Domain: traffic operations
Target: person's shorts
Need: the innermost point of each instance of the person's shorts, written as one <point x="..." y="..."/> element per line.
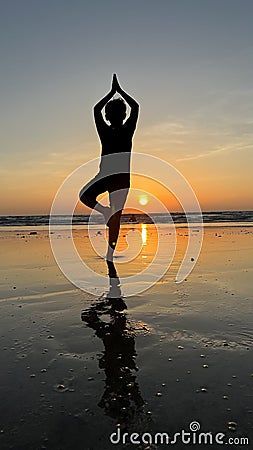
<point x="111" y="183"/>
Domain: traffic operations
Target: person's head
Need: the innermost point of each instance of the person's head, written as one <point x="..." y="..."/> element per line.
<point x="115" y="111"/>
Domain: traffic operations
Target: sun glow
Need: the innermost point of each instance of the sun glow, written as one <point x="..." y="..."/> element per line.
<point x="143" y="200"/>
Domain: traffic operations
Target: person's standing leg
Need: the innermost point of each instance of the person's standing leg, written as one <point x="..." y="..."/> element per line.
<point x="117" y="202"/>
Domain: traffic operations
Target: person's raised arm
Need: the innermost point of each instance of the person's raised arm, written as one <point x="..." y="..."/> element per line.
<point x="131" y="102"/>
<point x="99" y="120"/>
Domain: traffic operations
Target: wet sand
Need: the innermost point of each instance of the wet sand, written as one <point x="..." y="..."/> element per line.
<point x="74" y="368"/>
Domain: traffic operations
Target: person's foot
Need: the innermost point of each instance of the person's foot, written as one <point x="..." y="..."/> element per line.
<point x="117" y="304"/>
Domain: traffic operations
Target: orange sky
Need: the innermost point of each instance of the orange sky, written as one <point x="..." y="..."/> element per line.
<point x="32" y="190"/>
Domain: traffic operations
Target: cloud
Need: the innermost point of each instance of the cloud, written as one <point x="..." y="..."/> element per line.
<point x="166" y="128"/>
<point x="193" y="139"/>
<point x="222" y="149"/>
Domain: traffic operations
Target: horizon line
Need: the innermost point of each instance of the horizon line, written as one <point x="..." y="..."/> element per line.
<point x="137" y="213"/>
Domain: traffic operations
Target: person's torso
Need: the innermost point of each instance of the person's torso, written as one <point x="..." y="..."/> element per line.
<point x="116" y="140"/>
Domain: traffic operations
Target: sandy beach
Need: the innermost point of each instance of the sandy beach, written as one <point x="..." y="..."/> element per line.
<point x="74" y="369"/>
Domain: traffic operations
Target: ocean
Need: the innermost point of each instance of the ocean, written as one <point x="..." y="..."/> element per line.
<point x="209" y="217"/>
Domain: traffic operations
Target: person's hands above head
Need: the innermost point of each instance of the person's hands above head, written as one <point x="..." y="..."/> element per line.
<point x="115" y="83"/>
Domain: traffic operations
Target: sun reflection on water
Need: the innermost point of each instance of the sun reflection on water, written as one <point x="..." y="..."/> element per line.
<point x="144" y="233"/>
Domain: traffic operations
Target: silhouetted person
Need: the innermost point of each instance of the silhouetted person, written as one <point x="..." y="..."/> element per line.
<point x="114" y="173"/>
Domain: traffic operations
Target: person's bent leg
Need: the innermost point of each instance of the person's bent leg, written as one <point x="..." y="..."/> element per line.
<point x="88" y="196"/>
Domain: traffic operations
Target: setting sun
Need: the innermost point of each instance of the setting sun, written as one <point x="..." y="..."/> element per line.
<point x="143" y="200"/>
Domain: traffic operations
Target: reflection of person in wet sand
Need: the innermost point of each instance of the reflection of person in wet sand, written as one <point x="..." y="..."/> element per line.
<point x="116" y="139"/>
<point x="122" y="399"/>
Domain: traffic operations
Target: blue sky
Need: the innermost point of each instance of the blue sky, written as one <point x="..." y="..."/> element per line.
<point x="188" y="63"/>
